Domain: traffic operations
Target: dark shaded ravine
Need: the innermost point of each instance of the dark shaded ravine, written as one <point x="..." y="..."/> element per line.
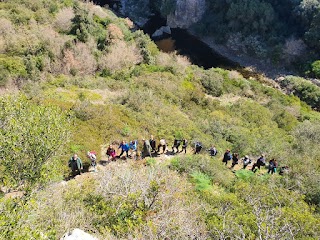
<point x="185" y="44"/>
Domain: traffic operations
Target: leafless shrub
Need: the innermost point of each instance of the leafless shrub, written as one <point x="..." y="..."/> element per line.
<point x="293" y="48"/>
<point x="114" y="33"/>
<point x="6" y="27"/>
<point x="234" y="75"/>
<point x="121" y="55"/>
<point x="180" y="63"/>
<point x="79" y="60"/>
<point x="171" y="216"/>
<point x="63" y="19"/>
<point x="129" y="23"/>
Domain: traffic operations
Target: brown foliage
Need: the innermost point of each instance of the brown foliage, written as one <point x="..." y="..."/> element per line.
<point x="121" y="55"/>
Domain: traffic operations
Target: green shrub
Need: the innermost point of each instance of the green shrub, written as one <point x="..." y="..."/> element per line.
<point x="315" y="67"/>
<point x="30" y="136"/>
<point x="213" y="168"/>
<point x="11" y="68"/>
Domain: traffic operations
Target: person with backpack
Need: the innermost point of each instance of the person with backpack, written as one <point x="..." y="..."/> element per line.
<point x="146" y="148"/>
<point x="111" y="153"/>
<point x="133" y="146"/>
<point x="124" y="148"/>
<point x="75" y="164"/>
<point x="176" y="144"/>
<point x="163" y="145"/>
<point x="213" y="151"/>
<point x="261" y="161"/>
<point x="246" y="161"/>
<point x="152" y="143"/>
<point x="227" y="156"/>
<point x="272" y="168"/>
<point x="92" y="155"/>
<point x="198" y="147"/>
<point x="184" y="145"/>
<point x="235" y="160"/>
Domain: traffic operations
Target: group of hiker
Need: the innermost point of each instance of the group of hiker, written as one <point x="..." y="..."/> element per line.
<point x="261" y="161"/>
<point x="150" y="149"/>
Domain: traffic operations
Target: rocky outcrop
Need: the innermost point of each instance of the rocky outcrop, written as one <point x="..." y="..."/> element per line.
<point x="187" y="12"/>
<point x="161" y="31"/>
<point x="77" y="234"/>
<point x="137" y="10"/>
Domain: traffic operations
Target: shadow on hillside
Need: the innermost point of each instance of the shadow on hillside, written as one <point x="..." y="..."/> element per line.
<point x="84" y="170"/>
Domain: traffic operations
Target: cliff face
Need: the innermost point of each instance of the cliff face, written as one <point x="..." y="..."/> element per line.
<point x="187" y="12"/>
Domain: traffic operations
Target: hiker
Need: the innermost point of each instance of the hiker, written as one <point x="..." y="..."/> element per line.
<point x="284" y="170"/>
<point x="146" y="148"/>
<point x="152" y="143"/>
<point x="163" y="145"/>
<point x="272" y="168"/>
<point x="184" y="145"/>
<point x="111" y="153"/>
<point x="227" y="156"/>
<point x="246" y="161"/>
<point x="198" y="147"/>
<point x="176" y="144"/>
<point x="261" y="161"/>
<point x="124" y="148"/>
<point x="235" y="160"/>
<point x="92" y="155"/>
<point x="133" y="145"/>
<point x="75" y="164"/>
<point x="213" y="151"/>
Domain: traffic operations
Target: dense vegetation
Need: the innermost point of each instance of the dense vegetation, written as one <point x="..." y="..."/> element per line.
<point x="287" y="32"/>
<point x="75" y="78"/>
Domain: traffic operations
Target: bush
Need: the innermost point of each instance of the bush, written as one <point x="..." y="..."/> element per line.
<point x="30" y="136"/>
<point x="315" y="68"/>
<point x="199" y="164"/>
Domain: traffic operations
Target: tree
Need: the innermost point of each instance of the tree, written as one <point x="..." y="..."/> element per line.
<point x="30" y="135"/>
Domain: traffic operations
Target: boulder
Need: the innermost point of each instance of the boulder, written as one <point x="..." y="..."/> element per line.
<point x="161" y="31"/>
<point x="77" y="234"/>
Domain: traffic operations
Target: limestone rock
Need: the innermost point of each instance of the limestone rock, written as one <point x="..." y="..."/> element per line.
<point x="161" y="31"/>
<point x="77" y="234"/>
<point x="187" y="12"/>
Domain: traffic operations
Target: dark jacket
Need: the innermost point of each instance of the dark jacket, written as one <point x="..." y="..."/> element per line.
<point x="226" y="157"/>
<point x="75" y="164"/>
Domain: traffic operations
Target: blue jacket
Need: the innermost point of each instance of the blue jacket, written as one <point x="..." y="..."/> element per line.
<point x="124" y="147"/>
<point x="133" y="146"/>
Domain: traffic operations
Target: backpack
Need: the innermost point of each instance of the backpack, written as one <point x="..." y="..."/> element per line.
<point x="93" y="156"/>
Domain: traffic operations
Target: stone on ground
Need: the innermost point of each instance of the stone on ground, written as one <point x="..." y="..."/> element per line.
<point x="77" y="234"/>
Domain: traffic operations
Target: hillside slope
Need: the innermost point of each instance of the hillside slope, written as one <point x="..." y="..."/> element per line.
<point x="75" y="77"/>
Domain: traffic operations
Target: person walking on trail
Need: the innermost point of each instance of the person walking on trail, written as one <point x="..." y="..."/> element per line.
<point x="133" y="145"/>
<point x="92" y="155"/>
<point x="246" y="161"/>
<point x="272" y="168"/>
<point x="124" y="148"/>
<point x="198" y="147"/>
<point x="163" y="145"/>
<point x="146" y="148"/>
<point x="184" y="145"/>
<point x="235" y="160"/>
<point x="213" y="151"/>
<point x="111" y="153"/>
<point x="75" y="164"/>
<point x="227" y="156"/>
<point x="261" y="161"/>
<point x="176" y="145"/>
<point x="152" y="143"/>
